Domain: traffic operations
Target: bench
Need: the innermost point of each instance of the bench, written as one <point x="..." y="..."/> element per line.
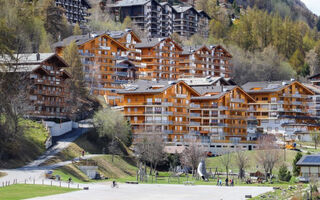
<point x="131" y="182"/>
<point x="188" y="183"/>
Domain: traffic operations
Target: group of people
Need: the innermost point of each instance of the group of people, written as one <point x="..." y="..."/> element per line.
<point x="228" y="182"/>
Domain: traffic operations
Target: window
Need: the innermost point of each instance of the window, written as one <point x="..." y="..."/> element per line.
<point x="129" y="100"/>
<point x="129" y="109"/>
<point x="265" y="98"/>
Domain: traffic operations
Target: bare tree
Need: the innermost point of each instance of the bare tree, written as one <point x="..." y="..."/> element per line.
<point x="268" y="154"/>
<point x="192" y="155"/>
<point x="242" y="161"/>
<point x="225" y="160"/>
<point x="151" y="150"/>
<point x="315" y="135"/>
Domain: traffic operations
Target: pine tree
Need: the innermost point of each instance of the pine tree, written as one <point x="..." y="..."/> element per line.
<point x="77" y="84"/>
<point x="297" y="61"/>
<point x="77" y="30"/>
<point x="296" y="169"/>
<point x="284" y="174"/>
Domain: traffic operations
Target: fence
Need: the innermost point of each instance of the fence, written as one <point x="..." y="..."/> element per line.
<point x="47" y="182"/>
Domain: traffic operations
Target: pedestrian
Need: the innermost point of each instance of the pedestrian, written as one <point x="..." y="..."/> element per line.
<point x="220" y="182"/>
<point x="82" y="153"/>
<point x="227" y="180"/>
<point x="232" y="183"/>
<point x="70" y="179"/>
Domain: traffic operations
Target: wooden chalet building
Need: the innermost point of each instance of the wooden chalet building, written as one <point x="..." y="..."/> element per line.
<point x="47" y="85"/>
<point x="281" y="107"/>
<point x="108" y="63"/>
<point x="205" y="61"/>
<point x="161" y="57"/>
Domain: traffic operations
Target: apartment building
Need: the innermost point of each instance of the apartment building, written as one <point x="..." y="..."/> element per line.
<point x="159" y="107"/>
<point x="281" y="107"/>
<point x="76" y="11"/>
<point x="215" y="116"/>
<point x="47" y="84"/>
<point x="161" y="19"/>
<point x="205" y="61"/>
<point x="314" y="105"/>
<point x="161" y="57"/>
<point x="107" y="62"/>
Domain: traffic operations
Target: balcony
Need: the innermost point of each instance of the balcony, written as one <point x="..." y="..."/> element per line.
<point x="194" y="114"/>
<point x="194" y="123"/>
<point x="166" y="104"/>
<point x="237" y="100"/>
<point x="181" y="96"/>
<point x="125" y="74"/>
<point x="168" y="131"/>
<point x="192" y="105"/>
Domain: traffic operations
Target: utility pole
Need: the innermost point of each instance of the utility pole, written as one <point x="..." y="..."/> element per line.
<point x="284" y="149"/>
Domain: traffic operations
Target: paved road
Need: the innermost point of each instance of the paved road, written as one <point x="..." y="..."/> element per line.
<point x="33" y="171"/>
<point x="160" y="192"/>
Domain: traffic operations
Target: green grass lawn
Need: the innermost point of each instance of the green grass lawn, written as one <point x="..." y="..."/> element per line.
<point x="215" y="162"/>
<point x="22" y="191"/>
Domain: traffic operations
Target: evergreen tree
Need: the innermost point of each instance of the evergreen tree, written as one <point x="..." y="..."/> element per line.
<point x="296" y="169"/>
<point x="284" y="174"/>
<point x="44" y="42"/>
<point x="77" y="84"/>
<point x="77" y="30"/>
<point x="297" y="61"/>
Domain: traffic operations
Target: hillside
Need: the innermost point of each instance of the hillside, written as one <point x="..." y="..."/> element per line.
<point x="295" y="9"/>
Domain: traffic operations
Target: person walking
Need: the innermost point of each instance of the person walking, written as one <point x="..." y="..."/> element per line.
<point x="232" y="183"/>
<point x="227" y="180"/>
<point x="220" y="182"/>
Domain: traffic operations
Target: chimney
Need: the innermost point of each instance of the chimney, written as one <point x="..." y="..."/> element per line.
<point x="38" y="56"/>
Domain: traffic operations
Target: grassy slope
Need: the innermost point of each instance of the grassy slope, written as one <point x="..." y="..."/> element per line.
<point x="215" y="162"/>
<point x="30" y="146"/>
<point x="122" y="167"/>
<point x="17" y="192"/>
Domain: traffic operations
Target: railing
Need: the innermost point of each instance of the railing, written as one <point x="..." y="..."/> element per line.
<point x="194" y="123"/>
<point x="236" y="100"/>
<point x="194" y="114"/>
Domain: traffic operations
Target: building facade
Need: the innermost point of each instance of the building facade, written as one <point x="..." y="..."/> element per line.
<point x="217" y="117"/>
<point x="76" y="11"/>
<point x="281" y="107"/>
<point x="161" y="19"/>
<point x="107" y="62"/>
<point x="205" y="61"/>
<point x="161" y="57"/>
<point x="48" y="89"/>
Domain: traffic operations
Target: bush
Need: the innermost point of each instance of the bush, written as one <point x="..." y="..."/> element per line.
<point x="284" y="174"/>
<point x="296" y="169"/>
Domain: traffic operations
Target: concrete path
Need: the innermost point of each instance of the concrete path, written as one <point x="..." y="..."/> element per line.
<point x="160" y="192"/>
<point x="33" y="171"/>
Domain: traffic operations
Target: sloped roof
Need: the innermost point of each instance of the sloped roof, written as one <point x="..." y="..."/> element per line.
<point x="202" y="90"/>
<point x="149" y="42"/>
<point x="206" y="81"/>
<point x="127" y="3"/>
<point x="182" y="8"/>
<point x="145" y="86"/>
<point x="266" y="86"/>
<point x="314" y="88"/>
<point x="309" y="160"/>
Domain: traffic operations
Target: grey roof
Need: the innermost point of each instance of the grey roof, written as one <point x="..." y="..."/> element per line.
<point x="149" y="42"/>
<point x="265" y="86"/>
<point x="217" y="96"/>
<point x="127" y="3"/>
<point x="191" y="49"/>
<point x="78" y="39"/>
<point x="25" y="62"/>
<point x="314" y="88"/>
<point x="309" y="160"/>
<point x="81" y="39"/>
<point x="26" y="58"/>
<point x="146" y="86"/>
<point x="212" y="89"/>
<point x="206" y="81"/>
<point x="181" y="8"/>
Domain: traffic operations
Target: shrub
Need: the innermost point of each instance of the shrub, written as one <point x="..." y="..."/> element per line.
<point x="284" y="174"/>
